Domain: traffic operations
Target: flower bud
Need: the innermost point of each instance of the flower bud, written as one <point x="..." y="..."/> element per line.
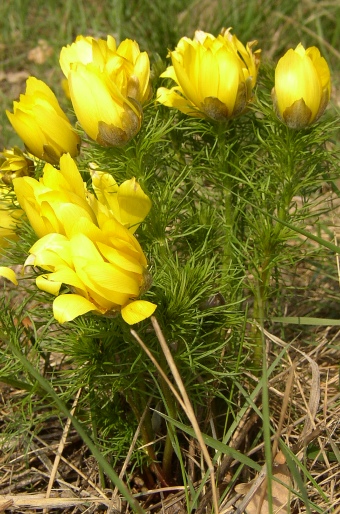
<point x="302" y="87"/>
<point x="14" y="163"/>
<point x="42" y="125"/>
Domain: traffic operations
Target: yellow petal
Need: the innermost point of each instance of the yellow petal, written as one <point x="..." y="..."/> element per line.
<point x="38" y="88"/>
<point x="187" y="73"/>
<point x="82" y="247"/>
<point x="104" y="277"/>
<point x="72" y="177"/>
<point x="45" y="285"/>
<point x="134" y="204"/>
<point x="171" y="98"/>
<point x="92" y="100"/>
<point x="79" y="51"/>
<point x="28" y="130"/>
<point x="68" y="276"/>
<point x="33" y="213"/>
<point x="105" y="187"/>
<point x="137" y="311"/>
<point x="120" y="258"/>
<point x="50" y="260"/>
<point x="9" y="274"/>
<point x="69" y="215"/>
<point x="66" y="307"/>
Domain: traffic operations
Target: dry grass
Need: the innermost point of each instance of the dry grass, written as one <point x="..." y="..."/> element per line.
<point x="306" y="419"/>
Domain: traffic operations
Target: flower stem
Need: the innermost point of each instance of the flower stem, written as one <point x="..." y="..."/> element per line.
<point x="172" y="411"/>
<point x="260" y="300"/>
<point x="147" y="435"/>
<point x="225" y="177"/>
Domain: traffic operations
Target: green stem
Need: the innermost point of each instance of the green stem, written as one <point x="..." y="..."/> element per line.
<point x="147" y="435"/>
<point x="260" y="301"/>
<point x="270" y="251"/>
<point x="172" y="411"/>
<point x="95" y="433"/>
<point x="224" y="177"/>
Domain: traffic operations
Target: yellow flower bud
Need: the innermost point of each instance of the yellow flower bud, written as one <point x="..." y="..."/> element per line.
<point x="13" y="163"/>
<point x="302" y="87"/>
<point x="87" y="244"/>
<point x="214" y="76"/>
<point x="41" y="123"/>
<point x="108" y="86"/>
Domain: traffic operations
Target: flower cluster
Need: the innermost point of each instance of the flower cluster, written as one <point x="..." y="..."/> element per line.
<point x="91" y="259"/>
<point x="87" y="244"/>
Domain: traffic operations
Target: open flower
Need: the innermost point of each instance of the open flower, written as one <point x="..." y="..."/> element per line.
<point x="302" y="87"/>
<point x="85" y="244"/>
<point x="41" y="123"/>
<point x="108" y="86"/>
<point x="214" y="76"/>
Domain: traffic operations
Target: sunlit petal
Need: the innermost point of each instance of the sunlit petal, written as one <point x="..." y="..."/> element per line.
<point x="137" y="311"/>
<point x="66" y="307"/>
<point x="45" y="284"/>
<point x="9" y="274"/>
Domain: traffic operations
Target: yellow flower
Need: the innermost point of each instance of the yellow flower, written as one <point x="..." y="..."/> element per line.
<point x="302" y="87"/>
<point x="128" y="202"/>
<point x="13" y="163"/>
<point x="9" y="218"/>
<point x="108" y="86"/>
<point x="214" y="76"/>
<point x="41" y="123"/>
<point x="86" y="244"/>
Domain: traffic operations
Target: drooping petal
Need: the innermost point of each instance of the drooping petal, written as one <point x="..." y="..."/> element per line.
<point x="171" y="98"/>
<point x="9" y="274"/>
<point x="137" y="311"/>
<point x="46" y="285"/>
<point x="66" y="307"/>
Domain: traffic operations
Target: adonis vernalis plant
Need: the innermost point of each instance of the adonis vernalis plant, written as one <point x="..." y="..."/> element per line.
<point x="180" y="205"/>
